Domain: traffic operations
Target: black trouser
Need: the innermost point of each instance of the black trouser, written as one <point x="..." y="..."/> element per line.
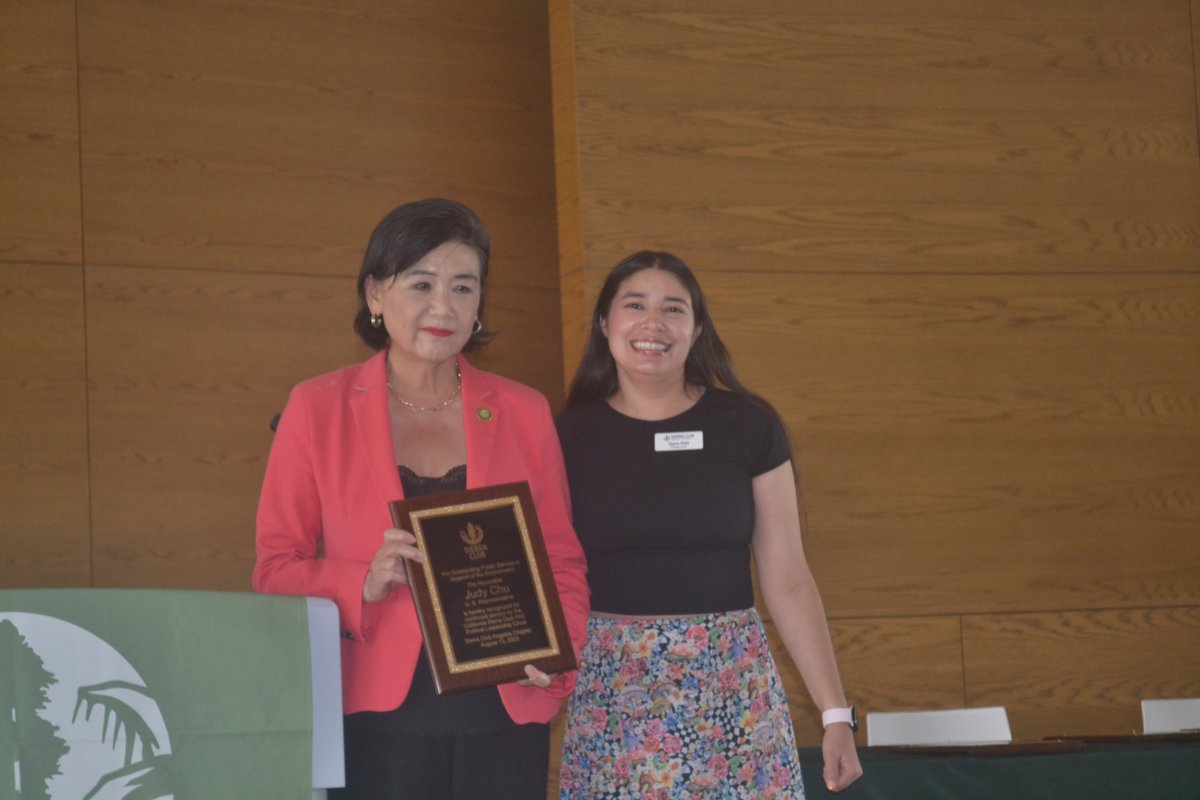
<point x="506" y="765"/>
<point x="460" y="746"/>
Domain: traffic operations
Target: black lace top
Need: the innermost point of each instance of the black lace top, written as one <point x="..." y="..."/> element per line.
<point x="416" y="485"/>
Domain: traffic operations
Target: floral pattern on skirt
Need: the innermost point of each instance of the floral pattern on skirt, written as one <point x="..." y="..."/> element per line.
<point x="679" y="709"/>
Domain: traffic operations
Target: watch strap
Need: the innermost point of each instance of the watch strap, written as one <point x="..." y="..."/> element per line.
<point x="847" y="715"/>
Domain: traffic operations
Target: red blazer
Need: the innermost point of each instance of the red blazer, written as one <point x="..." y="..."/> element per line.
<point x="330" y="476"/>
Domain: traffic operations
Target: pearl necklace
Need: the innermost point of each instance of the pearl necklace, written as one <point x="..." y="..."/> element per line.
<point x="439" y="406"/>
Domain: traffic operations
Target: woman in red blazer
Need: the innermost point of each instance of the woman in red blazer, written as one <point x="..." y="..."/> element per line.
<point x="416" y="419"/>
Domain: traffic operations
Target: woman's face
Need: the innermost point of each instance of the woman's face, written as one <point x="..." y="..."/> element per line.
<point x="430" y="308"/>
<point x="651" y="325"/>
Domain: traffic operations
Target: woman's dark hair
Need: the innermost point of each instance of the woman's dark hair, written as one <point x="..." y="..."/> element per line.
<point x="708" y="363"/>
<point x="404" y="237"/>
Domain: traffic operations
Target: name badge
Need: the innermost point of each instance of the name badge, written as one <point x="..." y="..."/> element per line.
<point x="684" y="440"/>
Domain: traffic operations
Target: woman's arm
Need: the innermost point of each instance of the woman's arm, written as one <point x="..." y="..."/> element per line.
<point x="794" y="604"/>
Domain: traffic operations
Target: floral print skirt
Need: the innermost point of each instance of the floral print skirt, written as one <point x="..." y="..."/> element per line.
<point x="679" y="709"/>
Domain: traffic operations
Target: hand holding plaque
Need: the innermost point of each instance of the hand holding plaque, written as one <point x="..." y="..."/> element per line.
<point x="485" y="595"/>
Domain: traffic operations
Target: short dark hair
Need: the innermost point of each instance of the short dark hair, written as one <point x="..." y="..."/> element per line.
<point x="708" y="362"/>
<point x="405" y="236"/>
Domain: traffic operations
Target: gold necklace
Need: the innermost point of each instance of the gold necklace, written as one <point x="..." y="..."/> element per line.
<point x="439" y="406"/>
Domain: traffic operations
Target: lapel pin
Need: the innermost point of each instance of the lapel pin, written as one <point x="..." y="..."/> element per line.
<point x="484" y="414"/>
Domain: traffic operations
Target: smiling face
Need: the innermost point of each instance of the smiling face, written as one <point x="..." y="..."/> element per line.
<point x="650" y="326"/>
<point x="430" y="308"/>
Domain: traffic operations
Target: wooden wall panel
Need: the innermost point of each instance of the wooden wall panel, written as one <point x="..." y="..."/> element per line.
<point x="43" y="428"/>
<point x="187" y="368"/>
<point x="573" y="308"/>
<point x="226" y="135"/>
<point x="886" y="663"/>
<point x="1047" y="426"/>
<point x="1076" y="673"/>
<point x="558" y="727"/>
<point x="1195" y="15"/>
<point x="39" y="133"/>
<point x="958" y="247"/>
<point x="913" y="137"/>
<point x="901" y="662"/>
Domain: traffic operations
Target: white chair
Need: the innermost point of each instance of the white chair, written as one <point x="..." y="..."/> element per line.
<point x="987" y="725"/>
<point x="1171" y="716"/>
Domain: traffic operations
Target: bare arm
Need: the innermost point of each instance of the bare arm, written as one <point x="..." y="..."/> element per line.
<point x="794" y="603"/>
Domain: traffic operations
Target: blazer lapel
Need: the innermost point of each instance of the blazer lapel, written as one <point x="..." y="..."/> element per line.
<point x="368" y="404"/>
<point x="479" y="423"/>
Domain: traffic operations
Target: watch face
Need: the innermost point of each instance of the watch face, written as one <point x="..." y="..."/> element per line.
<point x="853" y="718"/>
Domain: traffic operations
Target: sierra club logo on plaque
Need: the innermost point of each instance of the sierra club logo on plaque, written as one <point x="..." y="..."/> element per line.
<point x="472" y="536"/>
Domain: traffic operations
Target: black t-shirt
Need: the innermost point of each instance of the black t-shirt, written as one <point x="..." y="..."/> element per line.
<point x="664" y="509"/>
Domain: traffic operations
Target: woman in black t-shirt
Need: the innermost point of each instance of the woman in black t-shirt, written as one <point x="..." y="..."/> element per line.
<point x="678" y="473"/>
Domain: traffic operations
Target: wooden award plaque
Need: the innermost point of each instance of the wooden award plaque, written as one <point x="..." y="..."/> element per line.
<point x="485" y="596"/>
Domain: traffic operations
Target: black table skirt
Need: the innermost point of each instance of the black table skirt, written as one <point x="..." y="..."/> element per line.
<point x="1099" y="771"/>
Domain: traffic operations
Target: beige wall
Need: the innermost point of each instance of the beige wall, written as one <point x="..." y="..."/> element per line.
<point x="958" y="245"/>
<point x="187" y="190"/>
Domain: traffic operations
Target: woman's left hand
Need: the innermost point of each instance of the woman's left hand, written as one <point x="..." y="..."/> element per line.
<point x="536" y="678"/>
<point x="841" y="757"/>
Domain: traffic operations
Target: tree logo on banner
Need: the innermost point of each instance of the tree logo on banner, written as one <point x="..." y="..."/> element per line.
<point x="88" y="726"/>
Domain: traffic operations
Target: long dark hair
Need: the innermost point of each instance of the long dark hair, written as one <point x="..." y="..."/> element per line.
<point x="405" y="236"/>
<point x="708" y="363"/>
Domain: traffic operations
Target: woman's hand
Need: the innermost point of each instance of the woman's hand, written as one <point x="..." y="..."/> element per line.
<point x="536" y="678"/>
<point x="387" y="568"/>
<point x="841" y="758"/>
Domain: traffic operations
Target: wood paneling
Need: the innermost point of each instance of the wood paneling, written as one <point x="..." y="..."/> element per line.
<point x="901" y="662"/>
<point x="577" y="299"/>
<point x="43" y="428"/>
<point x="916" y="137"/>
<point x="957" y="246"/>
<point x="39" y="133"/>
<point x="1047" y="427"/>
<point x="1082" y="672"/>
<point x="907" y="223"/>
<point x="272" y="137"/>
<point x="887" y="54"/>
<point x="1195" y="15"/>
<point x="187" y="368"/>
<point x="567" y="185"/>
<point x="886" y="664"/>
<point x="558" y="727"/>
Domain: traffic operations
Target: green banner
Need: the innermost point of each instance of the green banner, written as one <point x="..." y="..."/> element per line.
<point x="147" y="694"/>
